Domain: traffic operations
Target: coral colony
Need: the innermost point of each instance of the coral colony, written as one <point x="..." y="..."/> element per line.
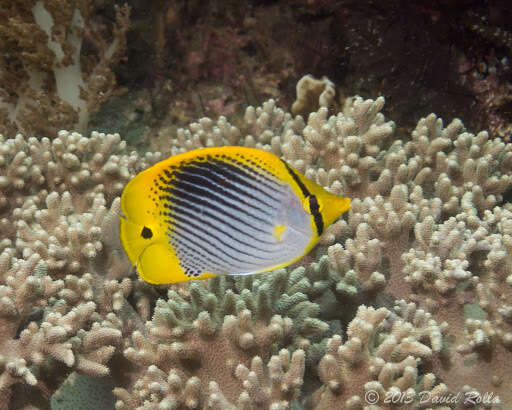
<point x="409" y="296"/>
<point x="405" y="303"/>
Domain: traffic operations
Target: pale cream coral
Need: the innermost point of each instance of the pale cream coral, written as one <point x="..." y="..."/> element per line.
<point x="69" y="334"/>
<point x="273" y="385"/>
<point x="427" y="225"/>
<point x="419" y="209"/>
<point x="214" y="355"/>
<point x="379" y="360"/>
<point x="312" y="93"/>
<point x="59" y="202"/>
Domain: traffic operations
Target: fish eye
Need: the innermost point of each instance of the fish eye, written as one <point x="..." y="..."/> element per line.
<point x="146" y="233"/>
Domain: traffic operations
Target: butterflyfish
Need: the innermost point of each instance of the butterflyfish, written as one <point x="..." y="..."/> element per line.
<point x="223" y="210"/>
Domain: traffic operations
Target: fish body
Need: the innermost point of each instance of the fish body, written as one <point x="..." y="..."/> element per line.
<point x="223" y="210"/>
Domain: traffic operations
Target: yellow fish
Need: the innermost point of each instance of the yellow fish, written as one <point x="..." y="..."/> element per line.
<point x="222" y="210"/>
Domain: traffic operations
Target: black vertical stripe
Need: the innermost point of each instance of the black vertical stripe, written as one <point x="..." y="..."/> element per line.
<point x="313" y="201"/>
<point x="315" y="209"/>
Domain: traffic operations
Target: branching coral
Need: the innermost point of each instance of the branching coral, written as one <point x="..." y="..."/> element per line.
<point x="421" y="209"/>
<point x="222" y="335"/>
<point x="57" y="205"/>
<point x="271" y="386"/>
<point x="425" y="249"/>
<point x="67" y="172"/>
<point x="72" y="334"/>
<point x="381" y="357"/>
<point x="311" y="91"/>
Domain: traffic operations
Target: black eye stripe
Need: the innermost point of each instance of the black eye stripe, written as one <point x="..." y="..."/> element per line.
<point x="146" y="233"/>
